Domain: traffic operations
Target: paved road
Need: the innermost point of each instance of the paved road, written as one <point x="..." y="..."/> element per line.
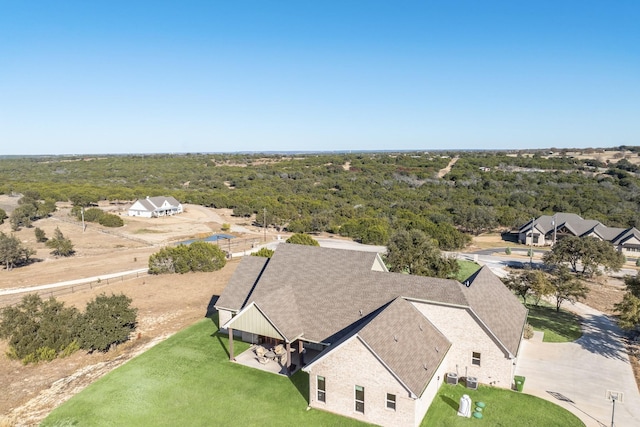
<point x="583" y="371"/>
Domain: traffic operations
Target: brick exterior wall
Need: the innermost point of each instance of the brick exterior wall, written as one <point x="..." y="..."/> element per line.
<point x="467" y="336"/>
<point x="353" y="364"/>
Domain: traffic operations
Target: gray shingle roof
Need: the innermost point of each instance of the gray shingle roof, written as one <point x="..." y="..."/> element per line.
<point x="407" y="343"/>
<point x="241" y="283"/>
<point x="579" y="227"/>
<point x="321" y="293"/>
<point x="497" y="307"/>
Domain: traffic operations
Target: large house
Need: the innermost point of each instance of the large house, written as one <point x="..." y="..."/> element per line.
<point x="155" y="207"/>
<point x="376" y="345"/>
<point x="547" y="229"/>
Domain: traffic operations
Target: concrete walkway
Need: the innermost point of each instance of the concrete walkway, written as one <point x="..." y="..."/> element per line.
<point x="578" y="375"/>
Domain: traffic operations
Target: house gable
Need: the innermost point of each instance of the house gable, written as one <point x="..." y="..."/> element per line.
<point x="251" y="319"/>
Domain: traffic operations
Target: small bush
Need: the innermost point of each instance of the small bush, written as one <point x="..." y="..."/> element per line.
<point x="303" y="239"/>
<point x="507" y="251"/>
<point x="528" y="332"/>
<point x="263" y="252"/>
<point x="226" y="227"/>
<point x="45" y="354"/>
<point x="41" y="237"/>
<point x="198" y="256"/>
<point x="638" y="262"/>
<point x="70" y="349"/>
<point x="111" y="220"/>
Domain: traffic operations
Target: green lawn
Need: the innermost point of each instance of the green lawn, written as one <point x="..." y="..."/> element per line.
<point x="503" y="408"/>
<point x="188" y="380"/>
<point x="467" y="268"/>
<point x="559" y="326"/>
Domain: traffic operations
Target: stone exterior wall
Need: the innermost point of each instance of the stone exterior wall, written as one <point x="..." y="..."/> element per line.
<point x="467" y="336"/>
<point x="353" y="364"/>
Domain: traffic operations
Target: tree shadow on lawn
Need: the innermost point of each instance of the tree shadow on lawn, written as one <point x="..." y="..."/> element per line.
<point x="562" y="323"/>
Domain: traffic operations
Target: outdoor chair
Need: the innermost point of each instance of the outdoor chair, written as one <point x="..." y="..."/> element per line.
<point x="283" y="359"/>
<point x="263" y="360"/>
<point x="279" y="350"/>
<point x="260" y="351"/>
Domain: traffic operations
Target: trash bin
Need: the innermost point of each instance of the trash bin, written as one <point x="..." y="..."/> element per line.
<point x="519" y="382"/>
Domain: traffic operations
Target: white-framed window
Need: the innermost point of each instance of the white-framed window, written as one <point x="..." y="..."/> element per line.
<point x="475" y="358"/>
<point x="321" y="386"/>
<point x="359" y="399"/>
<point x="391" y="401"/>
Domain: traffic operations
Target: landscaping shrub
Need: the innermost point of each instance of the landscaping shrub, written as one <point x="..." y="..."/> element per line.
<point x="111" y="220"/>
<point x="528" y="332"/>
<point x="303" y="239"/>
<point x="264" y="252"/>
<point x="198" y="256"/>
<point x="507" y="251"/>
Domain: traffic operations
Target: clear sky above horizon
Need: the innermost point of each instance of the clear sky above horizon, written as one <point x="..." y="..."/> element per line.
<point x="88" y="77"/>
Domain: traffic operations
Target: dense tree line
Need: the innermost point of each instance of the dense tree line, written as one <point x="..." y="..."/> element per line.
<point x="41" y="330"/>
<point x="367" y="196"/>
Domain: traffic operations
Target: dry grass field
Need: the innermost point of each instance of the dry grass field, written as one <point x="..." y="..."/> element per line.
<point x="165" y="304"/>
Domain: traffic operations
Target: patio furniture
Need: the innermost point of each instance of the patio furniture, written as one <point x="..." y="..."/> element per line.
<point x="263" y="360"/>
<point x="283" y="359"/>
<point x="260" y="351"/>
<point x="270" y="355"/>
<point x="279" y="350"/>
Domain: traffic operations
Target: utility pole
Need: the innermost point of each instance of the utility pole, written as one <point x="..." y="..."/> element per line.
<point x="555" y="228"/>
<point x="82" y="210"/>
<point x="614" y="397"/>
<point x="531" y="245"/>
<point x="264" y="223"/>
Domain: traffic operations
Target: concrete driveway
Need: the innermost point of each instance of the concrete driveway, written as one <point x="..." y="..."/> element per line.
<point x="578" y="375"/>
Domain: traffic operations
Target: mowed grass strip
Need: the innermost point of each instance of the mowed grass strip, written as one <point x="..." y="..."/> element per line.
<point x="503" y="408"/>
<point x="188" y="380"/>
<point x="467" y="268"/>
<point x="557" y="326"/>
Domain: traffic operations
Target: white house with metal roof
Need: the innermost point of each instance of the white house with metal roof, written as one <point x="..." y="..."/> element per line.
<point x="376" y="345"/>
<point x="155" y="207"/>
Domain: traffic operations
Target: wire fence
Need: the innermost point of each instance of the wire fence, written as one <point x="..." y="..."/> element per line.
<point x="13" y="299"/>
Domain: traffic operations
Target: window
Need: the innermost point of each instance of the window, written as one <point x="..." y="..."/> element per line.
<point x="535" y="238"/>
<point x="391" y="401"/>
<point x="360" y="399"/>
<point x="475" y="358"/>
<point x="322" y="392"/>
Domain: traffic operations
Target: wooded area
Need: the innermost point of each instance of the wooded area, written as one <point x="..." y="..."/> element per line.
<point x="367" y="196"/>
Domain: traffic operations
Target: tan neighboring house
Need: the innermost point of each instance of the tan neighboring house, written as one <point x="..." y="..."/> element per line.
<point x="547" y="229"/>
<point x="155" y="207"/>
<point x="379" y="344"/>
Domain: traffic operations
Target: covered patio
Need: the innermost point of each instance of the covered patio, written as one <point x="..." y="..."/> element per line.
<point x="250" y="358"/>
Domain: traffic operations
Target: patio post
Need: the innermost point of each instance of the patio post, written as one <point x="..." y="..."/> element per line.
<point x="231" y="357"/>
<point x="288" y="355"/>
<point x="301" y="352"/>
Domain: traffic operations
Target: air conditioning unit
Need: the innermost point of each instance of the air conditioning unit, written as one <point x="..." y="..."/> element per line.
<point x="472" y="383"/>
<point x="452" y="378"/>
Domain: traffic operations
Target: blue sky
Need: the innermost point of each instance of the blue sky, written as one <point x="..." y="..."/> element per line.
<point x="87" y="77"/>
